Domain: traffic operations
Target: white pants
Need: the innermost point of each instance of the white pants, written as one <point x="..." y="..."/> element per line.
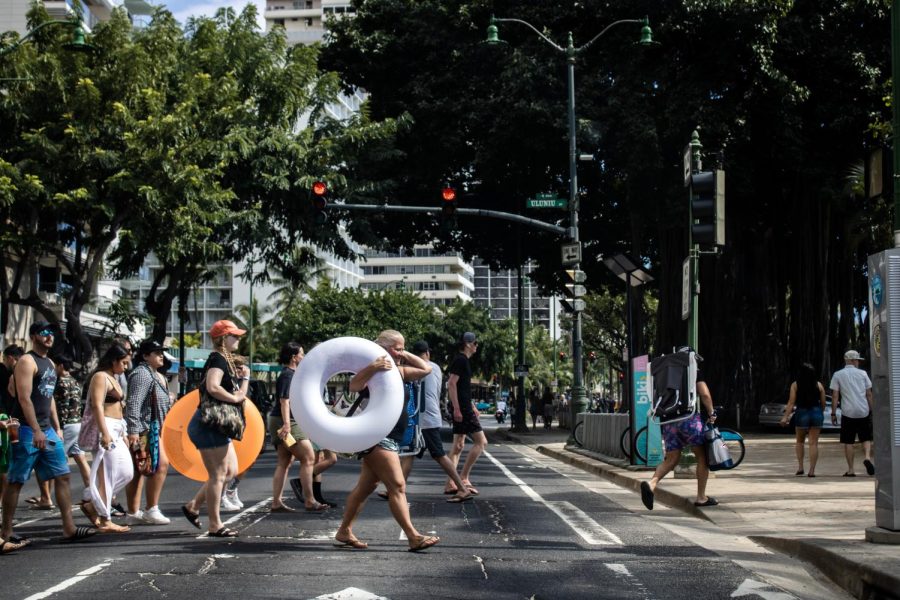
<point x="117" y="467"/>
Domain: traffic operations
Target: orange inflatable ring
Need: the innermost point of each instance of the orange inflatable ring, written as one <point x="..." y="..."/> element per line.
<point x="184" y="456"/>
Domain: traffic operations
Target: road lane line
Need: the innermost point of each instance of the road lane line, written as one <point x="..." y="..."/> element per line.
<point x="587" y="528"/>
<point x="248" y="511"/>
<point x="70" y="581"/>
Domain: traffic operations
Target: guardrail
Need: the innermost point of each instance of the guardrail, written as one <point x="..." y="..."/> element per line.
<point x="603" y="432"/>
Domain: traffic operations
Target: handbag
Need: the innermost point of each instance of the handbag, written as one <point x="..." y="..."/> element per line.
<point x="89" y="434"/>
<point x="717" y="455"/>
<point x="141" y="458"/>
<point x="145" y="453"/>
<point x="224" y="417"/>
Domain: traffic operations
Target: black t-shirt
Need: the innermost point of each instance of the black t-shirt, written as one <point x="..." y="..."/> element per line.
<point x="462" y="368"/>
<point x="6" y="401"/>
<point x="42" y="385"/>
<point x="282" y="390"/>
<point x="217" y="361"/>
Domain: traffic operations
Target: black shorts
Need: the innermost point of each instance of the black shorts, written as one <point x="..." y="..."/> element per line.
<point x="433" y="443"/>
<point x="469" y="424"/>
<point x="852" y="428"/>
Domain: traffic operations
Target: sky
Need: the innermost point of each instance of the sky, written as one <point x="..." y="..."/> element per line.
<point x="183" y="9"/>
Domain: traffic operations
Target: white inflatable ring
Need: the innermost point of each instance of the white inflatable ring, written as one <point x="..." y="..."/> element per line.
<point x="328" y="430"/>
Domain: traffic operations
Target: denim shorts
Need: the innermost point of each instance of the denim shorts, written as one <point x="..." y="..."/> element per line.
<point x="49" y="463"/>
<point x="688" y="432"/>
<point x="387" y="443"/>
<point x="204" y="437"/>
<point x="804" y="418"/>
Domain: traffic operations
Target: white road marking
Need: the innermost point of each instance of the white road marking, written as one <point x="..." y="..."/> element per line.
<point x="750" y="587"/>
<point x="587" y="528"/>
<point x="70" y="581"/>
<point x="249" y="511"/>
<point x="619" y="568"/>
<point x="350" y="593"/>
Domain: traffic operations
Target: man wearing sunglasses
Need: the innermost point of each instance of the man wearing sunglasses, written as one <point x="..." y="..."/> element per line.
<point x="39" y="448"/>
<point x="466" y="419"/>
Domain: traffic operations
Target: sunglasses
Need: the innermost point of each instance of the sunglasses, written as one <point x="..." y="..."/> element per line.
<point x="45" y="333"/>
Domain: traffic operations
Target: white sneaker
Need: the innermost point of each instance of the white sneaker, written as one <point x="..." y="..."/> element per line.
<point x="135" y="518"/>
<point x="154" y="516"/>
<point x="232" y="496"/>
<point x="227" y="506"/>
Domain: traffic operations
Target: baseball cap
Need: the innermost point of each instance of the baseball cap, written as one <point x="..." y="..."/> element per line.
<point x="39" y="326"/>
<point x="225" y="327"/>
<point x="148" y="346"/>
<point x="468" y="337"/>
<point x="852" y="355"/>
<point x="420" y="347"/>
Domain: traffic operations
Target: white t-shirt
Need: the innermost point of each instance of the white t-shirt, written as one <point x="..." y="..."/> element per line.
<point x="852" y="383"/>
<point x="431" y="384"/>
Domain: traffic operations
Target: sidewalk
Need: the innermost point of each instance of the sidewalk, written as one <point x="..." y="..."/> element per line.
<point x="821" y="520"/>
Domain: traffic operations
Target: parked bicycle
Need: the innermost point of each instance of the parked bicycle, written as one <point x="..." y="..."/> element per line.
<point x="734" y="441"/>
<point x="578" y="434"/>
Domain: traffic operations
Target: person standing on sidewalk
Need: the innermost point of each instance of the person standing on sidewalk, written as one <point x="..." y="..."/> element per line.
<point x="465" y="415"/>
<point x="677" y="435"/>
<point x="852" y="393"/>
<point x="809" y="397"/>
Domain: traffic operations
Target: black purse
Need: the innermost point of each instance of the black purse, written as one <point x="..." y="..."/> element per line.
<point x="225" y="417"/>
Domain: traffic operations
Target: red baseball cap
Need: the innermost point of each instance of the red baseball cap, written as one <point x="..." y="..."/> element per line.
<point x="225" y="327"/>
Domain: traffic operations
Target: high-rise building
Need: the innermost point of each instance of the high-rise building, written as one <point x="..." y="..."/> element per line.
<point x="12" y="12"/>
<point x="498" y="291"/>
<point x="438" y="278"/>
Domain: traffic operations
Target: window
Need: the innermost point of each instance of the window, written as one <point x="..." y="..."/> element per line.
<point x="279" y="22"/>
<point x="309" y="22"/>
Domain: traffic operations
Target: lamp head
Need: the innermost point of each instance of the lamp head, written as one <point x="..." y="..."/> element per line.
<point x="78" y="44"/>
<point x="647" y="34"/>
<point x="493" y="34"/>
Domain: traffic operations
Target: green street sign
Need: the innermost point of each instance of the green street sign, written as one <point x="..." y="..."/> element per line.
<point x="547" y="201"/>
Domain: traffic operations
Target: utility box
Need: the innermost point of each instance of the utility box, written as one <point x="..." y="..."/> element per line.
<point x="884" y="353"/>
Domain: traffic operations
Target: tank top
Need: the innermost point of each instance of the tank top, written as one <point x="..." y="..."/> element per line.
<point x="42" y="385"/>
<point x="807" y="398"/>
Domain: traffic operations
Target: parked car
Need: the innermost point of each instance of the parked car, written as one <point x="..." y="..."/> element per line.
<point x="770" y="415"/>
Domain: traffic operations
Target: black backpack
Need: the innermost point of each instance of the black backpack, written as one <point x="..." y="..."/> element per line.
<point x="673" y="381"/>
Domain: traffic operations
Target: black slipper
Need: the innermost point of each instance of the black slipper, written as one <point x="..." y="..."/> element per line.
<point x="870" y="468"/>
<point x="646" y="495"/>
<point x="382" y="495"/>
<point x="224" y="533"/>
<point x="297" y="489"/>
<point x="849" y="474"/>
<point x="81" y="534"/>
<point x="193" y="517"/>
<point x="710" y="501"/>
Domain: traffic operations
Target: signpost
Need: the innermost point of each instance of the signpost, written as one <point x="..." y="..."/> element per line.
<point x="571" y="253"/>
<point x="686" y="289"/>
<point x="521" y="370"/>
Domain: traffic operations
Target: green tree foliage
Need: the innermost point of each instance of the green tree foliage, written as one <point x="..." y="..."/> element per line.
<point x="787" y="96"/>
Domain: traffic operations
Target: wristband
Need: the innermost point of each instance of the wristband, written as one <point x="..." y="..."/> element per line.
<point x="245" y="379"/>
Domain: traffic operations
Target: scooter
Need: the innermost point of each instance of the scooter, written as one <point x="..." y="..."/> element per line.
<point x="500" y="415"/>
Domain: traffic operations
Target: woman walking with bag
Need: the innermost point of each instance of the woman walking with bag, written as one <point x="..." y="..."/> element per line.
<point x="148" y="405"/>
<point x="217" y="421"/>
<point x="111" y="467"/>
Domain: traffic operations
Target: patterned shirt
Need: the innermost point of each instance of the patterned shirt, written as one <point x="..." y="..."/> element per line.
<point x="144" y="387"/>
<point x="68" y="400"/>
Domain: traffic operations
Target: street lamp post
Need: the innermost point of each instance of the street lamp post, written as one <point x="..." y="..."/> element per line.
<point x="77" y="42"/>
<point x="579" y="397"/>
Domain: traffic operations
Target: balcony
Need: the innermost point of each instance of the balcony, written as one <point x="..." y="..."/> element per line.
<point x="293" y="13"/>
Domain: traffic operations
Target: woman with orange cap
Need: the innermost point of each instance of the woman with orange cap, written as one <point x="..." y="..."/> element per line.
<point x="225" y="382"/>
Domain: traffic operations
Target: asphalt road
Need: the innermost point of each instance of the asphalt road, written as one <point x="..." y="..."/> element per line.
<point x="537" y="530"/>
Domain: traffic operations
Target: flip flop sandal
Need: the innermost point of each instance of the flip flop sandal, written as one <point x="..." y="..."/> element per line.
<point x="297" y="489"/>
<point x="283" y="509"/>
<point x="33" y="500"/>
<point x="11" y="546"/>
<point x="799" y="473"/>
<point x="448" y="491"/>
<point x="382" y="495"/>
<point x="224" y="533"/>
<point x="353" y="544"/>
<point x="114" y="528"/>
<point x="81" y="534"/>
<point x="849" y="474"/>
<point x="41" y="507"/>
<point x="18" y="539"/>
<point x="117" y="510"/>
<point x="192" y="517"/>
<point x="459" y="499"/>
<point x="646" y="495"/>
<point x="427" y="542"/>
<point x="316" y="507"/>
<point x="710" y="501"/>
<point x="870" y="468"/>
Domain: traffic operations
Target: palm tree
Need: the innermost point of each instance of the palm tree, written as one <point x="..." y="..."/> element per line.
<point x="303" y="268"/>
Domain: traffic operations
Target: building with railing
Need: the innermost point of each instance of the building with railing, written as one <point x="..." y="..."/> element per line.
<point x="438" y="278"/>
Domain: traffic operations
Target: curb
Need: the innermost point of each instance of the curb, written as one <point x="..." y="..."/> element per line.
<point x="858" y="579"/>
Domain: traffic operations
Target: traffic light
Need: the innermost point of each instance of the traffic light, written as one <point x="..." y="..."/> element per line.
<point x="574" y="290"/>
<point x="320" y="200"/>
<point x="592" y="356"/>
<point x="562" y="356"/>
<point x="448" y="208"/>
<point x="708" y="208"/>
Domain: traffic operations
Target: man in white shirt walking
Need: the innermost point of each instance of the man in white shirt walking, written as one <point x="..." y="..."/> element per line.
<point x="852" y="393"/>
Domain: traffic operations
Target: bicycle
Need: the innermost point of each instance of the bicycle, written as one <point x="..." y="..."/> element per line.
<point x="734" y="441"/>
<point x="578" y="434"/>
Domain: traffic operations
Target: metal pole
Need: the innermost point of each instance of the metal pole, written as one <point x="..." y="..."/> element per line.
<point x="250" y="325"/>
<point x="895" y="89"/>
<point x="579" y="400"/>
<point x="694" y="251"/>
<point x="521" y="423"/>
<point x="182" y="368"/>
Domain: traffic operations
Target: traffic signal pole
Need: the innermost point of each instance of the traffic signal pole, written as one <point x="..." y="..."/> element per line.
<point x="693" y="336"/>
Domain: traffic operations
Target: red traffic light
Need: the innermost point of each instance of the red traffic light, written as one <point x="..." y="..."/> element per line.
<point x="319" y="188"/>
<point x="562" y="356"/>
<point x="448" y="194"/>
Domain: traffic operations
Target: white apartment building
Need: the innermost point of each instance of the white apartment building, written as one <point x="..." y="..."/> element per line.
<point x="438" y="279"/>
<point x="498" y="292"/>
<point x="12" y="12"/>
